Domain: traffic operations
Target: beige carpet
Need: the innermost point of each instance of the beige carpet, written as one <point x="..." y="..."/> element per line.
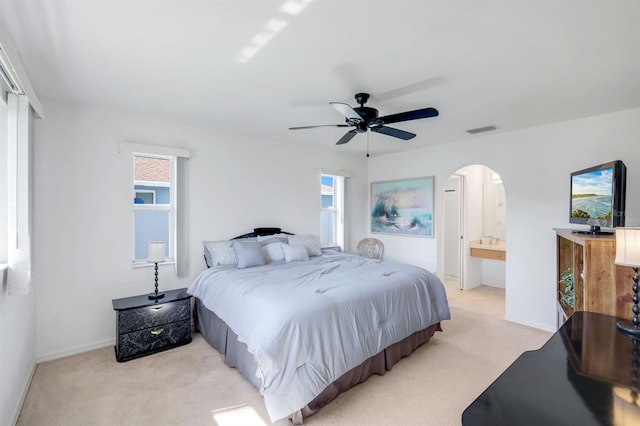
<point x="191" y="386"/>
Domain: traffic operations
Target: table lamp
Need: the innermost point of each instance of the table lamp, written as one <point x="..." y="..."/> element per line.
<point x="628" y="254"/>
<point x="156" y="255"/>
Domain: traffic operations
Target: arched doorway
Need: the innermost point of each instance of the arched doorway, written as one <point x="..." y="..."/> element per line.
<point x="474" y="231"/>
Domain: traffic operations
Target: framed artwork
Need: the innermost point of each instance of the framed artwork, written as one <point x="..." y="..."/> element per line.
<point x="403" y="207"/>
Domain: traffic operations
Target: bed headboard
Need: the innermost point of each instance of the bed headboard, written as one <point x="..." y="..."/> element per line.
<point x="257" y="232"/>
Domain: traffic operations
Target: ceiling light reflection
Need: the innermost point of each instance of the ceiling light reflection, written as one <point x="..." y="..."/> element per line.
<point x="294" y="7"/>
<point x="273" y="26"/>
<point x="261" y="39"/>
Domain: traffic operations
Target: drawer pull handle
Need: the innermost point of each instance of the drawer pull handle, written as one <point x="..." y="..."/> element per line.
<point x="157" y="332"/>
<point x="156" y="308"/>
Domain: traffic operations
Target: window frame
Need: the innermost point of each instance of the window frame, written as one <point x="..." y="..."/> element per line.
<point x="337" y="210"/>
<point x="145" y="191"/>
<point x="171" y="207"/>
<point x="7" y="164"/>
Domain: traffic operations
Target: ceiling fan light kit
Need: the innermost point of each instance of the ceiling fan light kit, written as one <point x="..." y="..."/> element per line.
<point x="364" y="118"/>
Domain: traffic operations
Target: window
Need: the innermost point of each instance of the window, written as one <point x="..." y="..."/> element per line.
<point x="157" y="194"/>
<point x="18" y="214"/>
<point x="332" y="210"/>
<point x="154" y="205"/>
<point x="328" y="211"/>
<point x="4" y="190"/>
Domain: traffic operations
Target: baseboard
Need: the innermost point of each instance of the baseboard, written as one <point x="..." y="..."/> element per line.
<point x="76" y="350"/>
<point x="23" y="392"/>
<point x="542" y="327"/>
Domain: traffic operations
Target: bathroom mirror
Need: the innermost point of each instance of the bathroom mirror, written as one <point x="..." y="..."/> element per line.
<point x="494" y="211"/>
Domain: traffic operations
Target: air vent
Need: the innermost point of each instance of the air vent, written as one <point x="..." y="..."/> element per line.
<point x="481" y="129"/>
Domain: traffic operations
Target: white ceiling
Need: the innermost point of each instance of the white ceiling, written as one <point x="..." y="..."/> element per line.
<point x="512" y="63"/>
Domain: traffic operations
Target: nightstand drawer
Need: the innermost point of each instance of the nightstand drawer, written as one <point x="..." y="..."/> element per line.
<point x="153" y="339"/>
<point x="152" y="316"/>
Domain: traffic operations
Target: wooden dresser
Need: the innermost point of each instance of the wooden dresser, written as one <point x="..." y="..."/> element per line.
<point x="599" y="285"/>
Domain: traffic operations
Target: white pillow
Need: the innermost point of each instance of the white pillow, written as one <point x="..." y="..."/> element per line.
<point x="249" y="253"/>
<point x="272" y="240"/>
<point x="273" y="252"/>
<point x="219" y="253"/>
<point x="295" y="252"/>
<point x="310" y="241"/>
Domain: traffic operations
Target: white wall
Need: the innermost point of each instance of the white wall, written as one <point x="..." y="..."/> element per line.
<point x="17" y="356"/>
<point x="535" y="165"/>
<point x="83" y="220"/>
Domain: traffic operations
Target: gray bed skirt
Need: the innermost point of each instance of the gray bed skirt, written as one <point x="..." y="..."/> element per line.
<point x="235" y="354"/>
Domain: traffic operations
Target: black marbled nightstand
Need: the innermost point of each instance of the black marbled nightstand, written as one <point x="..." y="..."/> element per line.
<point x="147" y="326"/>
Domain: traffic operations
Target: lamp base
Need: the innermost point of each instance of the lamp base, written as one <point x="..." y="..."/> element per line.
<point x="156" y="296"/>
<point x="627" y="327"/>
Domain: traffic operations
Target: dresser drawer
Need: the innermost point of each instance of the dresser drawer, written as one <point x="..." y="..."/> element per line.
<point x="153" y="339"/>
<point x="151" y="316"/>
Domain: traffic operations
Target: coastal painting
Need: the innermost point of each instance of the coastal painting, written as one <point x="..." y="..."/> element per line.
<point x="403" y="207"/>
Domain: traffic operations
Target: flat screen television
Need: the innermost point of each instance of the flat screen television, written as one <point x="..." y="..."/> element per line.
<point x="598" y="197"/>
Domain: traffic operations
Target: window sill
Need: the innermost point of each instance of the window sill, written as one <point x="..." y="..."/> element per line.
<point x="4" y="266"/>
<point x="150" y="264"/>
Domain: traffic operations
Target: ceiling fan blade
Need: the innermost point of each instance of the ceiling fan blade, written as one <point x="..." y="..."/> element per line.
<point x="408" y="115"/>
<point x="347" y="137"/>
<point x="320" y="125"/>
<point x="346" y="110"/>
<point x="396" y="133"/>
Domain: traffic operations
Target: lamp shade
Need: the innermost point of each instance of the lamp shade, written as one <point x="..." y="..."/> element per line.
<point x="156" y="251"/>
<point x="627" y="247"/>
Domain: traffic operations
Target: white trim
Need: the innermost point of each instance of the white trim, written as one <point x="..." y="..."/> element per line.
<point x="24" y="390"/>
<point x="179" y="191"/>
<point x="151" y="183"/>
<point x="139" y="148"/>
<point x="4" y="185"/>
<point x="152" y="207"/>
<point x="76" y="350"/>
<point x="147" y="264"/>
<point x="17" y="73"/>
<point x="342" y="173"/>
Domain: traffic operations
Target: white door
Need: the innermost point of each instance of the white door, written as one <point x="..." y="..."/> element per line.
<point x="453" y="228"/>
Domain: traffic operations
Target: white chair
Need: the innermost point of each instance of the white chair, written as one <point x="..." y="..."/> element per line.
<point x="371" y="248"/>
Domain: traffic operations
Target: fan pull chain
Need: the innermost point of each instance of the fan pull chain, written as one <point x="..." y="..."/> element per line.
<point x="367" y="144"/>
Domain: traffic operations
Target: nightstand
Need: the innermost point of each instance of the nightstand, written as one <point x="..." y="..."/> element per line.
<point x="147" y="326"/>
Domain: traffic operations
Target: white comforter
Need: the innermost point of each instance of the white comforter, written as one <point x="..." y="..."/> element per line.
<point x="307" y="323"/>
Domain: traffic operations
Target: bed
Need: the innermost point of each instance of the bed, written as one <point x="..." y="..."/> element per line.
<point x="303" y="325"/>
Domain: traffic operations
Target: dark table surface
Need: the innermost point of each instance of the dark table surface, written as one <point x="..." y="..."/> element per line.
<point x="582" y="376"/>
<point x="143" y="300"/>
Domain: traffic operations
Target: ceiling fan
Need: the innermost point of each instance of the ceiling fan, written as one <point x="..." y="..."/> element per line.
<point x="364" y="118"/>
